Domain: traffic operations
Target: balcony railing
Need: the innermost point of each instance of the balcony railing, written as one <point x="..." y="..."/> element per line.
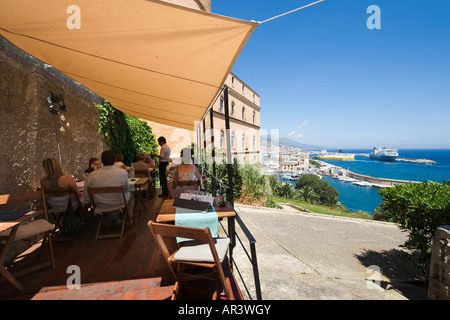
<point x="231" y="232"/>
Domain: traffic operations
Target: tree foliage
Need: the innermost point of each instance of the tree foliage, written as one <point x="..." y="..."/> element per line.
<point x="307" y="193"/>
<point x="285" y="190"/>
<point x="326" y="193"/>
<point x="419" y="208"/>
<point x="125" y="134"/>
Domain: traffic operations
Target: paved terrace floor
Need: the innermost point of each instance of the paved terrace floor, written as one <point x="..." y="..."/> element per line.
<point x="313" y="257"/>
<point x="136" y="257"/>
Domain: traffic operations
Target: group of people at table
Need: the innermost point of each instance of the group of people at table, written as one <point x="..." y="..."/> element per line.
<point x="109" y="170"/>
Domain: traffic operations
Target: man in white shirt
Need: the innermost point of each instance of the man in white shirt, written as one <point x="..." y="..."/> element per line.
<point x="163" y="156"/>
<point x="109" y="176"/>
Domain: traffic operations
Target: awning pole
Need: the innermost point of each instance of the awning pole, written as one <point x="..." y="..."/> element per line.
<point x="205" y="165"/>
<point x="213" y="152"/>
<point x="228" y="137"/>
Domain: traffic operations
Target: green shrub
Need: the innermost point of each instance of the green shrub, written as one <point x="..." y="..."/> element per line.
<point x="326" y="193"/>
<point x="255" y="184"/>
<point x="419" y="208"/>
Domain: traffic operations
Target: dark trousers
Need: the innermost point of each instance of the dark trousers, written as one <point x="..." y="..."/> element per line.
<point x="163" y="177"/>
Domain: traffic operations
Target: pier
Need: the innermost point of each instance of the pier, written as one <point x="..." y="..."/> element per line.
<point x="382" y="182"/>
<point x="375" y="181"/>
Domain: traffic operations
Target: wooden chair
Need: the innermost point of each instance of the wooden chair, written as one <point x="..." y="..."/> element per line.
<point x="64" y="193"/>
<point x="175" y="193"/>
<point x="193" y="185"/>
<point x="100" y="210"/>
<point x="22" y="231"/>
<point x="149" y="189"/>
<point x="203" y="251"/>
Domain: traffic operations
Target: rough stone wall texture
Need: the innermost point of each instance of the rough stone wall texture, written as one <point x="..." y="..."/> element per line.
<point x="439" y="285"/>
<point x="30" y="133"/>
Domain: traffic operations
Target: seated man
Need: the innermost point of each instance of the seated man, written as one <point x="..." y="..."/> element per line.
<point x="109" y="176"/>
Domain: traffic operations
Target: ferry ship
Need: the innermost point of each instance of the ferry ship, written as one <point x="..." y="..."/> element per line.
<point x="384" y="154"/>
<point x="324" y="155"/>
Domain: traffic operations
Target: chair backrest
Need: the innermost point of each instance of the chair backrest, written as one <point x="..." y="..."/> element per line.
<point x="142" y="174"/>
<point x="178" y="191"/>
<point x="160" y="230"/>
<point x="102" y="190"/>
<point x="24" y="196"/>
<point x="61" y="192"/>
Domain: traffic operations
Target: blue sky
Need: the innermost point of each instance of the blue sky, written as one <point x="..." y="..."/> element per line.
<point x="326" y="79"/>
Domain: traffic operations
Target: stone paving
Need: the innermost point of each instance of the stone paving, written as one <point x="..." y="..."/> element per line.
<point x="308" y="256"/>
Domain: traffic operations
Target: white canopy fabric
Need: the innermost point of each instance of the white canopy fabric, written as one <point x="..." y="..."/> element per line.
<point x="150" y="59"/>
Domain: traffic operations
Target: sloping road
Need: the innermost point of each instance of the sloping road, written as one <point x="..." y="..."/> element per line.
<point x="312" y="256"/>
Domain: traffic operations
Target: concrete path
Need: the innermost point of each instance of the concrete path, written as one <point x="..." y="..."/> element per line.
<point x="313" y="256"/>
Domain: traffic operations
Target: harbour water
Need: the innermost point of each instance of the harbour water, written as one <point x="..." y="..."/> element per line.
<point x="367" y="198"/>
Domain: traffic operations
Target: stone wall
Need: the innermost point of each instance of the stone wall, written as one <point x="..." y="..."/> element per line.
<point x="439" y="285"/>
<point x="30" y="133"/>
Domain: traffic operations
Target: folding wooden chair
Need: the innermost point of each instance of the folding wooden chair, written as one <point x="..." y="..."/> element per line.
<point x="100" y="209"/>
<point x="174" y="192"/>
<point x="149" y="189"/>
<point x="202" y="251"/>
<point x="20" y="231"/>
<point x="64" y="194"/>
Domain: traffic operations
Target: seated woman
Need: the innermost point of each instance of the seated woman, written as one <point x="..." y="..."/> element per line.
<point x="151" y="164"/>
<point x="94" y="164"/>
<point x="57" y="179"/>
<point x="186" y="173"/>
<point x="141" y="164"/>
<point x="119" y="163"/>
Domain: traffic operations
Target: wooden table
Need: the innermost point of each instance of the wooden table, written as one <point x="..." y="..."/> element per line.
<point x="138" y="184"/>
<point x="13" y="225"/>
<point x="167" y="212"/>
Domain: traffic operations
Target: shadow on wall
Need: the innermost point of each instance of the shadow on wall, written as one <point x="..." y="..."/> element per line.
<point x="31" y="132"/>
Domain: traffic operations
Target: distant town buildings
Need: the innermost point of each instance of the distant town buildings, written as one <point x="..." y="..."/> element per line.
<point x="277" y="157"/>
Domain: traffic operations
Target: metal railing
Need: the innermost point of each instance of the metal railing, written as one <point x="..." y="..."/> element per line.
<point x="233" y="235"/>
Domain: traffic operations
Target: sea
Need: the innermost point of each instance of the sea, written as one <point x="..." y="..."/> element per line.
<point x="357" y="198"/>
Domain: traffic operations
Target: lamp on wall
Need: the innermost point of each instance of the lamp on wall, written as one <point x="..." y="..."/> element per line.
<point x="56" y="104"/>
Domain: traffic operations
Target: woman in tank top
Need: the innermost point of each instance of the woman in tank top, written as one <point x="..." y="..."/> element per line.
<point x="55" y="179"/>
<point x="185" y="171"/>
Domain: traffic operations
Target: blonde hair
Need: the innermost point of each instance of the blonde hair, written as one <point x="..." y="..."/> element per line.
<point x="53" y="168"/>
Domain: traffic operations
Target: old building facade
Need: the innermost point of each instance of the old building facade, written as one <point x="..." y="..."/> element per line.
<point x="244" y="108"/>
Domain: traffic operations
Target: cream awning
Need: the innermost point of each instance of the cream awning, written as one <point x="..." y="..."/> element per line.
<point x="150" y="59"/>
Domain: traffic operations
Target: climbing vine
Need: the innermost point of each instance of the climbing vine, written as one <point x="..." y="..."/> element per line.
<point x="125" y="134"/>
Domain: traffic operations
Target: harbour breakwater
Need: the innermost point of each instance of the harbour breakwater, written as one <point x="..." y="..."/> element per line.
<point x="381" y="182"/>
<point x="341" y="173"/>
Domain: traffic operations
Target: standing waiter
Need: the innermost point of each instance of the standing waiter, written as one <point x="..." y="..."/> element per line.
<point x="163" y="156"/>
